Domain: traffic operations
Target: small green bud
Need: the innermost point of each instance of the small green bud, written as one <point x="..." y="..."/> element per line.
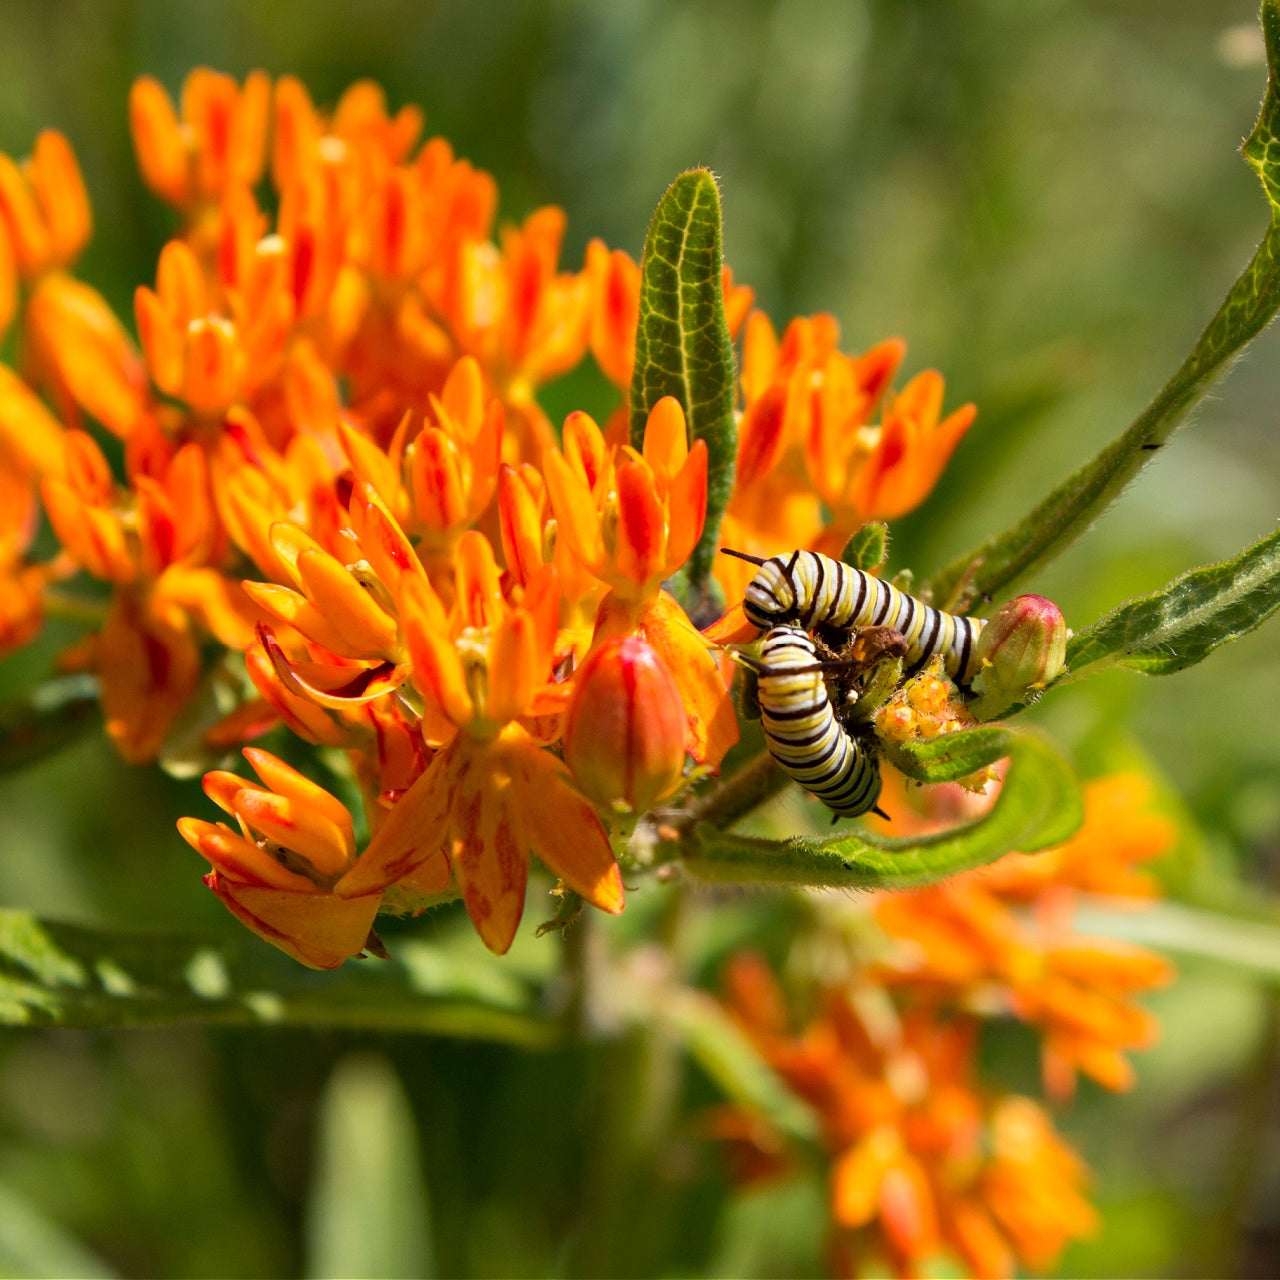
<point x="1023" y="648"/>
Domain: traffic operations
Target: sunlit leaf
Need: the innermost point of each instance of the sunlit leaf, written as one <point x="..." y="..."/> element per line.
<point x="1184" y="622"/>
<point x="1250" y="304"/>
<point x="32" y="1245"/>
<point x="72" y="976"/>
<point x="1039" y="806"/>
<point x="683" y="348"/>
<point x="368" y="1214"/>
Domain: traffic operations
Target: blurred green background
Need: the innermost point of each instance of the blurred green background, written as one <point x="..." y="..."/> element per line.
<point x="1046" y="199"/>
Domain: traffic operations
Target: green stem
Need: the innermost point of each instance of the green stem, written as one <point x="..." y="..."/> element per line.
<point x="759" y="780"/>
<point x="1253" y="1117"/>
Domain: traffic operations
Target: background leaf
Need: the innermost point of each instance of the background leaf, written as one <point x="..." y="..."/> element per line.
<point x="683" y="348"/>
<point x="51" y="717"/>
<point x="369" y="1213"/>
<point x="715" y="1042"/>
<point x="1249" y="306"/>
<point x="72" y="976"/>
<point x="1184" y="622"/>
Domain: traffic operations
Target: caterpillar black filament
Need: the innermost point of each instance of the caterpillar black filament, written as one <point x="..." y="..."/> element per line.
<point x="801" y="729"/>
<point x="806" y="589"/>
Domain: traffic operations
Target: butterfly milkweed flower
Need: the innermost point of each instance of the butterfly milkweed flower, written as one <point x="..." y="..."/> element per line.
<point x="492" y="794"/>
<point x="277" y="873"/>
<point x="923" y="1162"/>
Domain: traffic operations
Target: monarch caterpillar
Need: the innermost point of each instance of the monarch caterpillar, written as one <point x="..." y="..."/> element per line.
<point x="801" y="729"/>
<point x="810" y="590"/>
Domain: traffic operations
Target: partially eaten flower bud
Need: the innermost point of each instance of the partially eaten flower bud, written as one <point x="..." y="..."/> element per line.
<point x="1023" y="648"/>
<point x="625" y="732"/>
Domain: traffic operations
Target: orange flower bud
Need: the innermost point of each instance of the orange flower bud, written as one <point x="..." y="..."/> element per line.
<point x="1022" y="648"/>
<point x="624" y="739"/>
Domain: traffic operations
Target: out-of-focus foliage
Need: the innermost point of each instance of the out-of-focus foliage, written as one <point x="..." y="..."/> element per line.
<point x="1048" y="201"/>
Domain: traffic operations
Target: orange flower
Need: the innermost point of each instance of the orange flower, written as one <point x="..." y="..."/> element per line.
<point x="964" y="941"/>
<point x="922" y="1163"/>
<point x="277" y="875"/>
<point x="45" y="207"/>
<point x="440" y="482"/>
<point x="632" y="520"/>
<point x="151" y="544"/>
<point x="218" y="144"/>
<point x="624" y="733"/>
<point x="491" y="795"/>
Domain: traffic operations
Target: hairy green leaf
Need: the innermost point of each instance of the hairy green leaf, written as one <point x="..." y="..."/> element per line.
<point x="683" y="348"/>
<point x="868" y="548"/>
<point x="1039" y="806"/>
<point x="1250" y="304"/>
<point x="72" y="976"/>
<point x="51" y="717"/>
<point x="1184" y="622"/>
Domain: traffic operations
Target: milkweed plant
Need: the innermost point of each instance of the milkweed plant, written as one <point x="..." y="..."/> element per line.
<point x="442" y="658"/>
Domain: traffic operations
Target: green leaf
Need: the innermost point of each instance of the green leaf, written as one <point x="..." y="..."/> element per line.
<point x="1251" y="303"/>
<point x="368" y="1214"/>
<point x="721" y="1049"/>
<point x="1184" y="622"/>
<point x="1039" y="806"/>
<point x="50" y="718"/>
<point x="33" y="1245"/>
<point x="683" y="348"/>
<point x="868" y="548"/>
<point x="73" y="976"/>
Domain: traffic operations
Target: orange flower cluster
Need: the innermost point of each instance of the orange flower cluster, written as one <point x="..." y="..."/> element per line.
<point x="340" y="503"/>
<point x="924" y="1159"/>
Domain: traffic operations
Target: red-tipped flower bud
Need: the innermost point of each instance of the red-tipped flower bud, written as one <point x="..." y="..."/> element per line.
<point x="1023" y="648"/>
<point x="624" y="737"/>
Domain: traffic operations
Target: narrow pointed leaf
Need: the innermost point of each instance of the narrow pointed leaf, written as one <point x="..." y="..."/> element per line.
<point x="683" y="348"/>
<point x="1252" y="301"/>
<point x="721" y="1049"/>
<point x="1249" y="946"/>
<point x="72" y="976"/>
<point x="51" y="717"/>
<point x="1184" y="622"/>
<point x="1039" y="806"/>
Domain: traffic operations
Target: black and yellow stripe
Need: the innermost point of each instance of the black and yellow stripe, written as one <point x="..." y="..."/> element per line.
<point x="801" y="729"/>
<point x="807" y="590"/>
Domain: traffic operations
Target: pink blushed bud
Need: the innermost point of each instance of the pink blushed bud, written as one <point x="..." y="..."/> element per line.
<point x="1023" y="648"/>
<point x="625" y="733"/>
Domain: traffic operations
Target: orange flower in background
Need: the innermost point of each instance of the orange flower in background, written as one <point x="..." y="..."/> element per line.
<point x="812" y="465"/>
<point x="923" y="1163"/>
<point x="217" y="144"/>
<point x="276" y="874"/>
<point x="45" y="207"/>
<point x="1001" y="938"/>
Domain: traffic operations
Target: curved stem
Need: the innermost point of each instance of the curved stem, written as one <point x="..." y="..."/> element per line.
<point x="760" y="779"/>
